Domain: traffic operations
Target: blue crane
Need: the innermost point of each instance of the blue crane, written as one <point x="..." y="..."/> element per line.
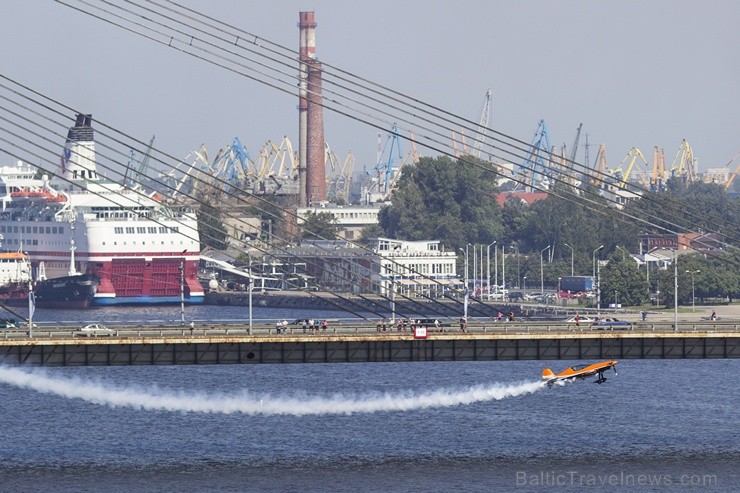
<point x="537" y="163"/>
<point x="232" y="164"/>
<point x="387" y="159"/>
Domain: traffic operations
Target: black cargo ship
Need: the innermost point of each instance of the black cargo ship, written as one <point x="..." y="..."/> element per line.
<point x="76" y="291"/>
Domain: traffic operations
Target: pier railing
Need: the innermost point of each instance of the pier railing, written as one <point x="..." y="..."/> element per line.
<point x="365" y="329"/>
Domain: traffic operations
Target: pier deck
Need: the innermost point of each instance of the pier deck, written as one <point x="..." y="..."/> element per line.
<point x="231" y="344"/>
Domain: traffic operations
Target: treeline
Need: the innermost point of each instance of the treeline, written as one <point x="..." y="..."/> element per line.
<point x="455" y="201"/>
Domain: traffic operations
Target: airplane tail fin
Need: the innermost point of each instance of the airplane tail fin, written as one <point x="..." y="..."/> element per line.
<point x="547" y="374"/>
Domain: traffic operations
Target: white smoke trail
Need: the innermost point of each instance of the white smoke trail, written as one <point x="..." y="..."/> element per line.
<point x="75" y="388"/>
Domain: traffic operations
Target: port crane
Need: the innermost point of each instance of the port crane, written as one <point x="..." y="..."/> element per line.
<point x="684" y="164"/>
<point x="569" y="167"/>
<point x="198" y="163"/>
<point x="142" y="170"/>
<point x="231" y="166"/>
<point x="340" y="179"/>
<point x="574" y="149"/>
<point x="387" y="158"/>
<point x="536" y="165"/>
<point x="733" y="175"/>
<point x="620" y="174"/>
<point x="656" y="182"/>
<point x="483" y="124"/>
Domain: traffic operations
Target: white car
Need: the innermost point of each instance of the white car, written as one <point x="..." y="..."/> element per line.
<point x="96" y="330"/>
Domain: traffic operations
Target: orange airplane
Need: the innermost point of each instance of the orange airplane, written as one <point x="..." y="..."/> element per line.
<point x="580" y="371"/>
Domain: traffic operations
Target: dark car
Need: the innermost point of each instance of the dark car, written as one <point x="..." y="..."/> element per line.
<point x="516" y="296"/>
<point x="8" y="323"/>
<point x="613" y="324"/>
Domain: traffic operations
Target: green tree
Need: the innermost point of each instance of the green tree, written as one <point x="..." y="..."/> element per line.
<point x="372" y="231"/>
<point x="211" y="229"/>
<point x="622" y="281"/>
<point x="582" y="221"/>
<point x="276" y="223"/>
<point x="319" y="225"/>
<point x="440" y="198"/>
<point x="685" y="206"/>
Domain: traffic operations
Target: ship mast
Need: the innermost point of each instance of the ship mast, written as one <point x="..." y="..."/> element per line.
<point x="72" y="248"/>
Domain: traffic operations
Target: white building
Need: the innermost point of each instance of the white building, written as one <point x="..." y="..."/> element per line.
<point x="380" y="266"/>
<point x="351" y="219"/>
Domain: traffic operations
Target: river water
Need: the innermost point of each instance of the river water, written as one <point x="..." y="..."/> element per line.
<point x="659" y="425"/>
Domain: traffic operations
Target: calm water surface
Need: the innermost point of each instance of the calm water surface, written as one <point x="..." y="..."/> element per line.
<point x="657" y="422"/>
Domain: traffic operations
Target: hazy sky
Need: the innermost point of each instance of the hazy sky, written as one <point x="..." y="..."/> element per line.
<point x="635" y="73"/>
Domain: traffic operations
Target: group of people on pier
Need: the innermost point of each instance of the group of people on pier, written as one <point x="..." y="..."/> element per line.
<point x="313" y="326"/>
<point x="405" y="324"/>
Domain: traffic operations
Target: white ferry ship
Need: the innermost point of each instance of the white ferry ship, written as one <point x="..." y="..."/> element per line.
<point x="138" y="249"/>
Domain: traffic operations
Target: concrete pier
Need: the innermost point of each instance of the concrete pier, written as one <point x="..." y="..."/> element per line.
<point x="232" y="345"/>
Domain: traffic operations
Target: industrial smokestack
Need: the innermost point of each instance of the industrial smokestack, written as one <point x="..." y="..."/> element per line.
<point x="316" y="156"/>
<point x="307" y="52"/>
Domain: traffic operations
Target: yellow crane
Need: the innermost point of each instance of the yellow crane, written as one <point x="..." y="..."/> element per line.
<point x="684" y="164"/>
<point x="339" y="179"/>
<point x="656" y="182"/>
<point x="601" y="166"/>
<point x="732" y="176"/>
<point x="622" y="175"/>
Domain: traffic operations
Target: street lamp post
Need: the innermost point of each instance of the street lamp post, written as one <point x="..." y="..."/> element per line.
<point x="693" y="293"/>
<point x="467" y="277"/>
<point x="503" y="269"/>
<point x="481" y="271"/>
<point x="182" y="292"/>
<point x="495" y="263"/>
<point x="524" y="291"/>
<point x="249" y="294"/>
<point x="465" y="288"/>
<point x="571" y="259"/>
<point x="596" y="275"/>
<point x="518" y="272"/>
<point x="675" y="289"/>
<point x="488" y="273"/>
<point x="542" y="270"/>
<point x="393" y="299"/>
<point x="475" y="261"/>
<point x="31" y="303"/>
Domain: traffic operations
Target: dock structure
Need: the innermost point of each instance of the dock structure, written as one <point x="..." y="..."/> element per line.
<point x="232" y="345"/>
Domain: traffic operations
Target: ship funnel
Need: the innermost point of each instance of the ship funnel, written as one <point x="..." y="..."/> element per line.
<point x="78" y="157"/>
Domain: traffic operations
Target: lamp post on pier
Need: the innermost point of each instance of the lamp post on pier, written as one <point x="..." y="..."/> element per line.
<point x="693" y="293"/>
<point x="182" y="292"/>
<point x="503" y="270"/>
<point x="598" y="287"/>
<point x="488" y="273"/>
<point x="524" y="291"/>
<point x="250" y="288"/>
<point x="475" y="269"/>
<point x="542" y="270"/>
<point x="571" y="259"/>
<point x="465" y="288"/>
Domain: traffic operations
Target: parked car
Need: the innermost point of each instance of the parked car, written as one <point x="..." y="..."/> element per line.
<point x="95" y="330"/>
<point x="612" y="323"/>
<point x="516" y="296"/>
<point x="545" y="298"/>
